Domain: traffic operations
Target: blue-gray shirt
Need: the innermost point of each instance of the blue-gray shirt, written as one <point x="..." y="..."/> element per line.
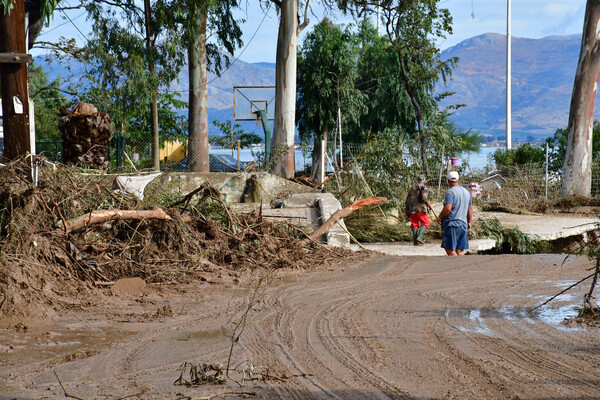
<point x="460" y="199"/>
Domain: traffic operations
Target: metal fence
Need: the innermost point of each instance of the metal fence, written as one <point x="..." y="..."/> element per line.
<point x="490" y="184"/>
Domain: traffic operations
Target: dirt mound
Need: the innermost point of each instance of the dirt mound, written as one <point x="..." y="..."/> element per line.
<point x="49" y="262"/>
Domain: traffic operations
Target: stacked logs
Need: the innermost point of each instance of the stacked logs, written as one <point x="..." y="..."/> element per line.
<point x="85" y="135"/>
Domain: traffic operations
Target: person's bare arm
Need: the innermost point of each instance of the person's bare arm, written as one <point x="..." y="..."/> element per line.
<point x="469" y="216"/>
<point x="445" y="211"/>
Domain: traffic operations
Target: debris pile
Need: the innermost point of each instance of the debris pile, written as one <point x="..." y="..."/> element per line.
<point x="85" y="135"/>
<point x="62" y="239"/>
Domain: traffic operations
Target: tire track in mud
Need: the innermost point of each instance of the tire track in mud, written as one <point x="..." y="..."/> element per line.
<point x="335" y="337"/>
<point x="331" y="343"/>
<point x="512" y="355"/>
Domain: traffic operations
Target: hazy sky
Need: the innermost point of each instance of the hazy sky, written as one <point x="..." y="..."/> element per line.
<point x="530" y="18"/>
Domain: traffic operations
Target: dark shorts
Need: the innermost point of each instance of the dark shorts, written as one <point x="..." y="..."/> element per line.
<point x="455" y="238"/>
<point x="417" y="218"/>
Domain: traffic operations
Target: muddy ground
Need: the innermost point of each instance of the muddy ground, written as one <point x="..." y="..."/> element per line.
<point x="373" y="328"/>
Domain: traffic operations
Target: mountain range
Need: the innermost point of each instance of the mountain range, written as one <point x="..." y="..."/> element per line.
<point x="542" y="80"/>
<point x="543" y="71"/>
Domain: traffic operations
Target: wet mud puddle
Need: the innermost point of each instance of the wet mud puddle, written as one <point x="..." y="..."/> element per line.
<point x="483" y="320"/>
<point x="22" y="343"/>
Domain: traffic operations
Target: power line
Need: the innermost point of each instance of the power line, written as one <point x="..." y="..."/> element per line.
<point x="84" y="37"/>
<point x="236" y="58"/>
<point x="64" y="23"/>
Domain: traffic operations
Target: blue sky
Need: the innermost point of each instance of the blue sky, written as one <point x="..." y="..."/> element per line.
<point x="530" y="18"/>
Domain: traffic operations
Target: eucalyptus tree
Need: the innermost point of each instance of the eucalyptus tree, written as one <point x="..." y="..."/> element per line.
<point x="413" y="28"/>
<point x="577" y="169"/>
<point x="208" y="27"/>
<point x="389" y="107"/>
<point x="327" y="71"/>
<point x="285" y="82"/>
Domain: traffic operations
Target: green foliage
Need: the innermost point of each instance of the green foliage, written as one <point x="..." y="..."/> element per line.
<point x="128" y="61"/>
<point x="386" y="168"/>
<point x="388" y="104"/>
<point x="231" y="134"/>
<point x="173" y="125"/>
<point x="327" y="72"/>
<point x="46" y="7"/>
<point x="48" y="100"/>
<point x="443" y="134"/>
<point x="508" y="240"/>
<point x="521" y="155"/>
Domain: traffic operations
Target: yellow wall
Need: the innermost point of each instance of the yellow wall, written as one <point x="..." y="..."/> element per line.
<point x="172" y="151"/>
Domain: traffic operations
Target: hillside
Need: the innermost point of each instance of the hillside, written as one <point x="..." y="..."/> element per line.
<point x="543" y="72"/>
<point x="542" y="80"/>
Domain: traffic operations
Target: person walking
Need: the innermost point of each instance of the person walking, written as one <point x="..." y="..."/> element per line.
<point x="417" y="204"/>
<point x="456" y="217"/>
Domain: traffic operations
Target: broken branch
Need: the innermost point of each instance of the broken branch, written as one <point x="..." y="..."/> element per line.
<point x="99" y="216"/>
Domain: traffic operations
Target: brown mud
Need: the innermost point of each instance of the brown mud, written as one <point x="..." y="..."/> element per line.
<point x="374" y="328"/>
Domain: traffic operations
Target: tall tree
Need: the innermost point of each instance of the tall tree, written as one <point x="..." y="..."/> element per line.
<point x="327" y="71"/>
<point x="204" y="20"/>
<point x="577" y="170"/>
<point x="389" y="107"/>
<point x="413" y="28"/>
<point x="284" y="127"/>
<point x="134" y="52"/>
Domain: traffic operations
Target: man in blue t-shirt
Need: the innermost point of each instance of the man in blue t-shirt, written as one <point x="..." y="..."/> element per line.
<point x="456" y="217"/>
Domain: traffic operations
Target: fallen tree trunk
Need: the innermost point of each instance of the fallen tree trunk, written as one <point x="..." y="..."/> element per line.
<point x="99" y="216"/>
<point x="339" y="214"/>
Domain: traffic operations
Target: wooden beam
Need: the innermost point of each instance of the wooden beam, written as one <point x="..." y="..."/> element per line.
<point x="15" y="58"/>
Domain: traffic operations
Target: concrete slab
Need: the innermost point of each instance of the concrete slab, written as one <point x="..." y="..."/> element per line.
<point x="428" y="249"/>
<point x="547" y="226"/>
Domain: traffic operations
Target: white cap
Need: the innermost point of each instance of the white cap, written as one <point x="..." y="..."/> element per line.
<point x="453" y="176"/>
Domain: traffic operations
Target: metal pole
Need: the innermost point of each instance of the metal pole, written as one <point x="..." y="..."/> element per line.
<point x="378" y="17"/>
<point x="239" y="151"/>
<point x="508" y="78"/>
<point x="441" y="171"/>
<point x="546" y="179"/>
<point x="340" y="130"/>
<point x="323" y="146"/>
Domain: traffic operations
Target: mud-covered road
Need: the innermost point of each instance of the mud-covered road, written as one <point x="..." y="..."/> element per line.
<point x="381" y="328"/>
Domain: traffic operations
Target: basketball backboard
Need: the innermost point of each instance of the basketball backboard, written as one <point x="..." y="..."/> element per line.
<point x="247" y="100"/>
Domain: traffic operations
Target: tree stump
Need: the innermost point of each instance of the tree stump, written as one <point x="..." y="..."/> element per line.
<point x="85" y="135"/>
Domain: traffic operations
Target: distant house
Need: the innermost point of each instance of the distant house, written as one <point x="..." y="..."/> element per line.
<point x="495" y="181"/>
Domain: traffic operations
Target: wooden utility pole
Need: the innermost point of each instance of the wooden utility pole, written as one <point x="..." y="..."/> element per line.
<point x="13" y="81"/>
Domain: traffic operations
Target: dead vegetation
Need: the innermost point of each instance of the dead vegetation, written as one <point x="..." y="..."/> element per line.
<point x="52" y="254"/>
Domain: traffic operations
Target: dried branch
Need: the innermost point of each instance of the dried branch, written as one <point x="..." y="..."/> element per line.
<point x="100" y="216"/>
<point x="65" y="390"/>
